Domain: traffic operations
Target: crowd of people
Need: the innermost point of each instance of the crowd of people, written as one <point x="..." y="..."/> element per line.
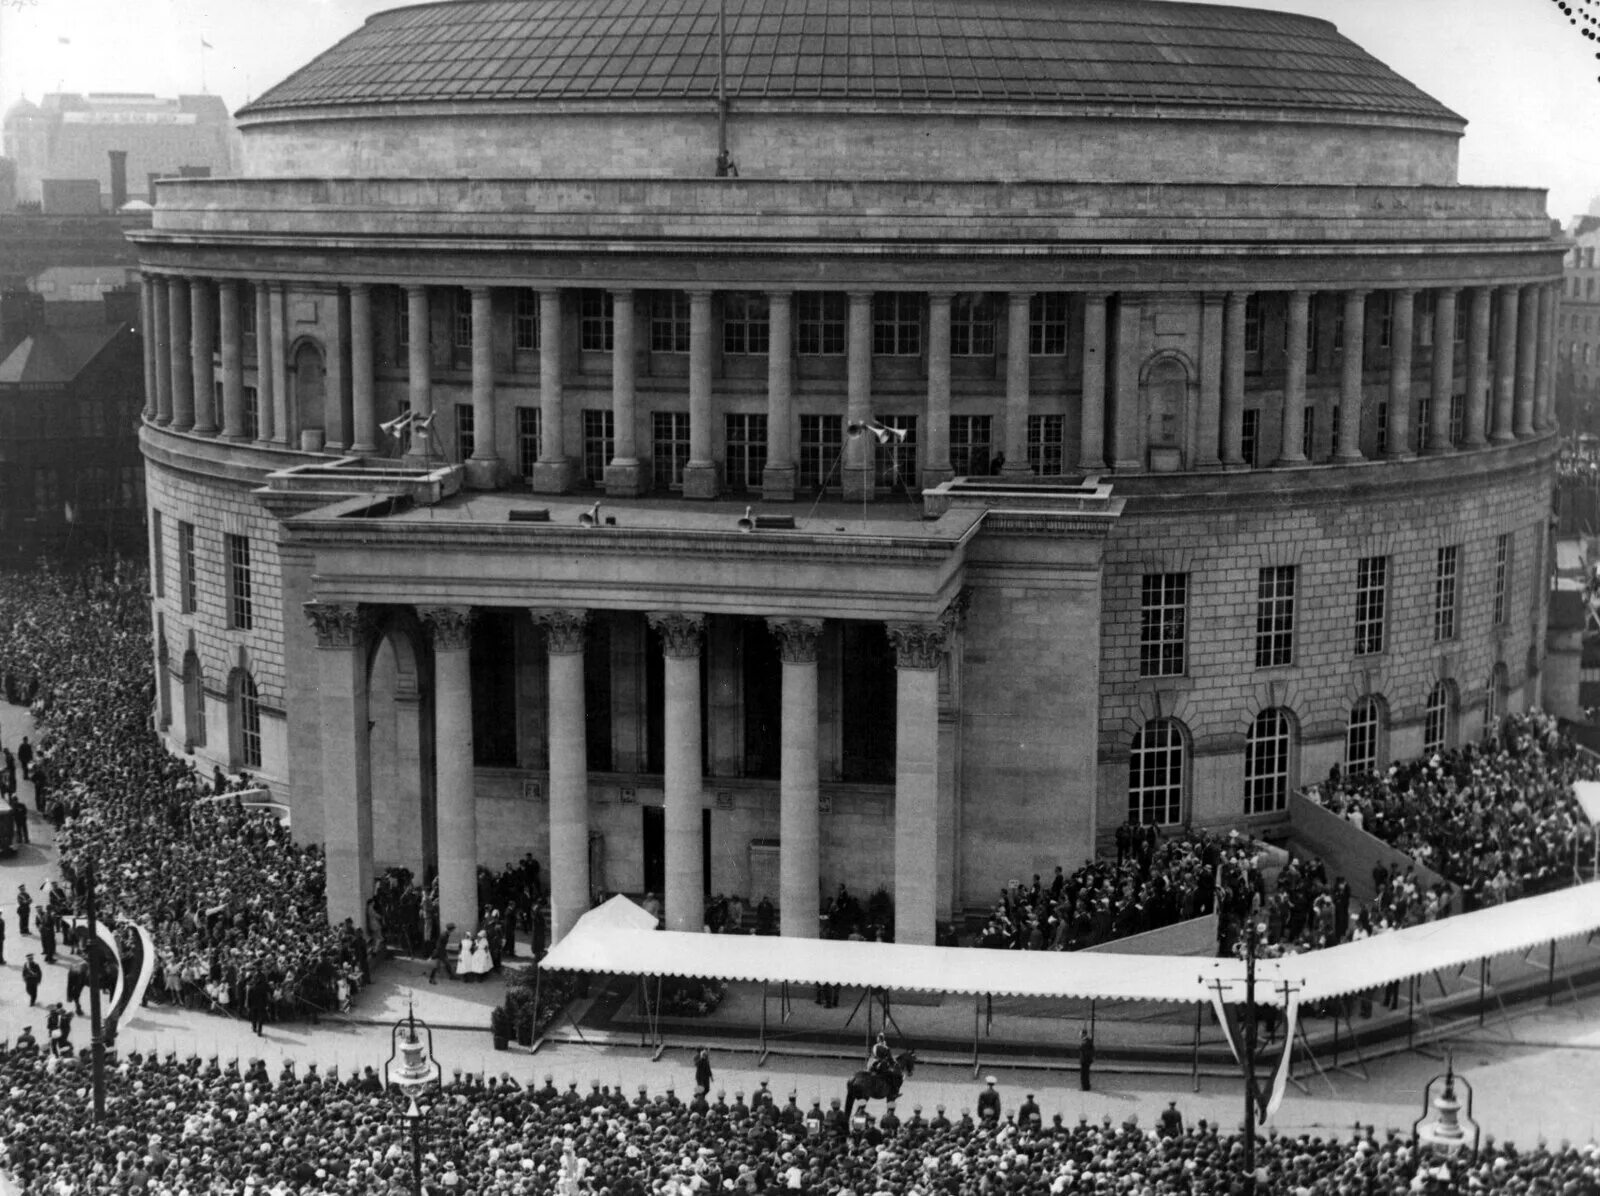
<point x="1496" y="818"/>
<point x="184" y="1128"/>
<point x="235" y="907"/>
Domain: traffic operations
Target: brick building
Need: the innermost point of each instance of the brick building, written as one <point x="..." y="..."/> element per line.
<point x="972" y="434"/>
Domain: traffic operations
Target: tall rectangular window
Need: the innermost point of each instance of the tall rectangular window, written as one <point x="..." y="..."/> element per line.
<point x="252" y="413"/>
<point x="897" y="323"/>
<point x="1502" y="573"/>
<point x="821" y="444"/>
<point x="1250" y="435"/>
<point x="1275" y="617"/>
<point x="1308" y="434"/>
<point x="1372" y="603"/>
<point x="745" y="451"/>
<point x="188" y="583"/>
<point x="402" y="319"/>
<point x="466" y="431"/>
<point x="528" y="443"/>
<point x="1423" y="421"/>
<point x="1446" y="566"/>
<point x="596" y="321"/>
<point x="599" y="437"/>
<point x="1047" y="444"/>
<point x="1047" y="324"/>
<point x="461" y="319"/>
<point x="669" y="448"/>
<point x="896" y="461"/>
<point x="240" y="611"/>
<point x="1384" y="301"/>
<point x="525" y="322"/>
<point x="158" y="555"/>
<point x="1422" y="320"/>
<point x="669" y="322"/>
<point x="1163" y="624"/>
<point x="746" y="322"/>
<point x="971" y="325"/>
<point x="1252" y="323"/>
<point x="970" y="445"/>
<point x="1458" y="417"/>
<point x="821" y="320"/>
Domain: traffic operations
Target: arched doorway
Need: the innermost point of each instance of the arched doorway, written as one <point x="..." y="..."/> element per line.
<point x="309" y="391"/>
<point x="400" y="751"/>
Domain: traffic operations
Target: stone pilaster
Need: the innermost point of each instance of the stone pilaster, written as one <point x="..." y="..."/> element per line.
<point x="919" y="649"/>
<point x="1019" y="384"/>
<point x="1475" y="433"/>
<point x="779" y="477"/>
<point x="161" y="313"/>
<point x="681" y="637"/>
<point x="1233" y="362"/>
<point x="624" y="477"/>
<point x="363" y="397"/>
<point x="483" y="468"/>
<point x="341" y="630"/>
<point x="1294" y="381"/>
<point x="569" y="768"/>
<point x="265" y="402"/>
<point x="1402" y="311"/>
<point x="553" y="473"/>
<point x="1092" y="406"/>
<point x="700" y="471"/>
<point x="1444" y="367"/>
<point x="936" y="467"/>
<point x="798" y="790"/>
<point x="859" y="451"/>
<point x="202" y="356"/>
<point x="450" y="629"/>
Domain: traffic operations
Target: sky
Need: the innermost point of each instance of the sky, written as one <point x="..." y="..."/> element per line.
<point x="1520" y="71"/>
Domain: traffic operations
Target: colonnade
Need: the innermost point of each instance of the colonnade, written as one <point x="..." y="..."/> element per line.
<point x="344" y="633"/>
<point x="1513" y="400"/>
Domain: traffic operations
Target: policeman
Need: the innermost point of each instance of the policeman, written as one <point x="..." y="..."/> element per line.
<point x="740" y="1111"/>
<point x="763" y="1096"/>
<point x="889" y="1123"/>
<point x="790" y="1116"/>
<point x="940" y="1121"/>
<point x="989" y="1102"/>
<point x="1028" y="1114"/>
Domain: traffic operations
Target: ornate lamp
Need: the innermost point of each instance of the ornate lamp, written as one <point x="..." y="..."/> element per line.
<point x="412" y="1067"/>
<point x="1443" y="1132"/>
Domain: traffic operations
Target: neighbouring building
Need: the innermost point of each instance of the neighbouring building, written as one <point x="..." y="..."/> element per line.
<point x="1578" y="343"/>
<point x="996" y="422"/>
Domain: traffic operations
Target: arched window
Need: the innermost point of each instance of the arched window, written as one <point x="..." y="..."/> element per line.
<point x="1361" y="737"/>
<point x="1438" y="729"/>
<point x="1155" y="774"/>
<point x="1266" y="762"/>
<point x="246" y="746"/>
<point x="194" y="701"/>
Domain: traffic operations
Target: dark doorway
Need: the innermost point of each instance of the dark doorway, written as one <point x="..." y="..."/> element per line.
<point x="494" y="689"/>
<point x="762" y="670"/>
<point x="597" y="695"/>
<point x="869" y="693"/>
<point x="655" y="850"/>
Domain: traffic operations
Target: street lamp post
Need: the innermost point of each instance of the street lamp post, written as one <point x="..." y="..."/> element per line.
<point x="1250" y="944"/>
<point x="97" y="1041"/>
<point x="413" y="1070"/>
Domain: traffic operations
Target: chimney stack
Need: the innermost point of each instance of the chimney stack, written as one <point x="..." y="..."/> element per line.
<point x="119" y="179"/>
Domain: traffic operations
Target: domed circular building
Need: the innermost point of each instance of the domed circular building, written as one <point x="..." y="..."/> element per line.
<point x="826" y="443"/>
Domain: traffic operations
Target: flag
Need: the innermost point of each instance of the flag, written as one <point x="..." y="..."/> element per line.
<point x="205" y="45"/>
<point x="65" y="41"/>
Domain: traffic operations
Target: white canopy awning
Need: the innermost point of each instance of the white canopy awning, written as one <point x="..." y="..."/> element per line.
<point x="1450" y="943"/>
<point x="618" y="937"/>
<point x="609" y="939"/>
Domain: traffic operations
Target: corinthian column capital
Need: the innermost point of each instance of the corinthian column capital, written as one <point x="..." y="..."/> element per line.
<point x="919" y="645"/>
<point x="797" y="639"/>
<point x="337" y="624"/>
<point x="450" y="627"/>
<point x="680" y="632"/>
<point x="568" y="630"/>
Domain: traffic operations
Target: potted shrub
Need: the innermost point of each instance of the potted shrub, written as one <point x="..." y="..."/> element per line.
<point x="522" y="1015"/>
<point x="500" y="1026"/>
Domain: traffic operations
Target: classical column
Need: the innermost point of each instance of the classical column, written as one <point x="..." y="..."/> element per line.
<point x="569" y="769"/>
<point x="799" y="827"/>
<point x="1092" y="405"/>
<point x="859" y="450"/>
<point x="1477" y="396"/>
<point x="161" y="313"/>
<point x="1351" y="390"/>
<point x="1403" y="306"/>
<point x="341" y="631"/>
<point x="147" y="345"/>
<point x="281" y="429"/>
<point x="363" y="399"/>
<point x="265" y="404"/>
<point x="1233" y="322"/>
<point x="419" y="370"/>
<point x="1544" y="374"/>
<point x="1209" y="417"/>
<point x="1527" y="359"/>
<point x="178" y="333"/>
<point x="553" y="473"/>
<point x="680" y="643"/>
<point x="231" y="336"/>
<point x="700" y="473"/>
<point x="936" y="434"/>
<point x="1126" y="456"/>
<point x="1019" y="385"/>
<point x="779" y="476"/>
<point x="202" y="356"/>
<point x="1290" y="451"/>
<point x="1505" y="368"/>
<point x="483" y="467"/>
<point x="622" y="477"/>
<point x="918" y="648"/>
<point x="455" y="801"/>
<point x="1444" y="367"/>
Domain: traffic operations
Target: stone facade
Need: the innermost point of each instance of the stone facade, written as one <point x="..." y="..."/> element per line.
<point x="1067" y="502"/>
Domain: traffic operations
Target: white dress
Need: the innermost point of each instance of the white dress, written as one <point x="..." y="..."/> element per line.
<point x="482" y="961"/>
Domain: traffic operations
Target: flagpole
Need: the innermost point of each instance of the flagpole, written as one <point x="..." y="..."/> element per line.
<point x="203" y="48"/>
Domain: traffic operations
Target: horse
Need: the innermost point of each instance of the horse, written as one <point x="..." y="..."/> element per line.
<point x="868" y="1085"/>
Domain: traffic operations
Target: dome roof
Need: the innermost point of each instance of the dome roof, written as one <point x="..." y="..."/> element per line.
<point x="934" y="52"/>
